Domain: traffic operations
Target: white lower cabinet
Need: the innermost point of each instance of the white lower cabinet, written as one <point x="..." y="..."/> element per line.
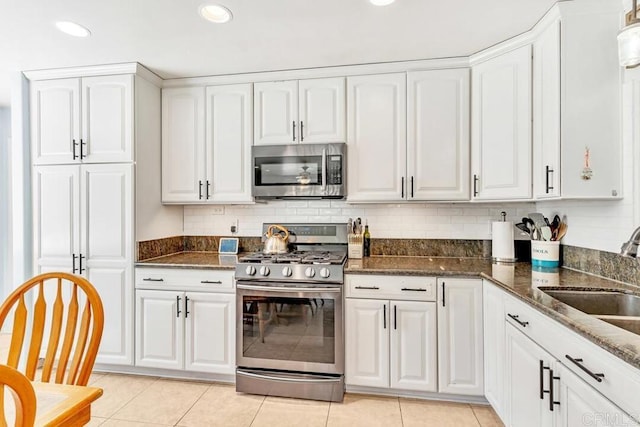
<point x="527" y="386"/>
<point x="390" y="332"/>
<point x="530" y="380"/>
<point x="185" y="330"/>
<point x="391" y="344"/>
<point x="460" y="343"/>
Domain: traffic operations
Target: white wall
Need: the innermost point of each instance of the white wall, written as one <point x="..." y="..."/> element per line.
<point x="435" y="221"/>
<point x="5" y="134"/>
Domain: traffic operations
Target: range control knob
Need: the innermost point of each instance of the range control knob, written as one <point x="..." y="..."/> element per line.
<point x="264" y="270"/>
<point x="250" y="270"/>
<point x="286" y="272"/>
<point x="309" y="272"/>
<point x="324" y="272"/>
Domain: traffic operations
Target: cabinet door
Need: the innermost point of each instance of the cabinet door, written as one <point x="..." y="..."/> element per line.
<point x="322" y="110"/>
<point x="55" y="121"/>
<point x="581" y="404"/>
<point x="228" y="143"/>
<point x="438" y="134"/>
<point x="501" y="126"/>
<point x="526" y="380"/>
<point x="107" y="119"/>
<point x="183" y="128"/>
<point x="460" y="352"/>
<point x="56" y="222"/>
<point x="413" y="347"/>
<point x="276" y="113"/>
<point x="546" y="113"/>
<point x="210" y="332"/>
<point x="159" y="329"/>
<point x="367" y="342"/>
<point x="494" y="346"/>
<point x="106" y="247"/>
<point x="377" y="142"/>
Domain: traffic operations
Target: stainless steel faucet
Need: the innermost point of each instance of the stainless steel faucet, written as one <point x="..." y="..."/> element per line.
<point x="630" y="248"/>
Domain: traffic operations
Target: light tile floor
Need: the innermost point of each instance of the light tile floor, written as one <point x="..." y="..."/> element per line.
<point x="130" y="400"/>
<point x="138" y="401"/>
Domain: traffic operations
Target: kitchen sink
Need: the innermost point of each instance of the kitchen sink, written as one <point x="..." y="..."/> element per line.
<point x="615" y="307"/>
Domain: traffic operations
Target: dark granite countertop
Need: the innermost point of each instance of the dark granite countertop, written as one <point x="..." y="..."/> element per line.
<point x="522" y="281"/>
<point x="205" y="260"/>
<point x="519" y="279"/>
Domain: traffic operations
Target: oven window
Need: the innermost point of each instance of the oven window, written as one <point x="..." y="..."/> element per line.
<point x="296" y="329"/>
<point x="292" y="170"/>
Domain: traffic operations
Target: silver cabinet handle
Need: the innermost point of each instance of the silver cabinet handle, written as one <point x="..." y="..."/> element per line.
<point x="373" y="288"/>
<point x="214" y="282"/>
<point x="414" y="289"/>
<point x="151" y="279"/>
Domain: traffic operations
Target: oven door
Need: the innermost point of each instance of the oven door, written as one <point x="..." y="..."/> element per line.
<point x="290" y="328"/>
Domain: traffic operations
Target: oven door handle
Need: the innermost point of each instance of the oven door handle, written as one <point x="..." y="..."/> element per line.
<point x="289" y="290"/>
<point x="287" y="379"/>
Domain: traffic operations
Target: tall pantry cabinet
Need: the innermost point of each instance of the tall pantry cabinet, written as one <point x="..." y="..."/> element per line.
<point x="95" y="136"/>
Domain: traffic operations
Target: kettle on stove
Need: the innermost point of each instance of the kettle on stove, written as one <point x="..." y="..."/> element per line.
<point x="276" y="243"/>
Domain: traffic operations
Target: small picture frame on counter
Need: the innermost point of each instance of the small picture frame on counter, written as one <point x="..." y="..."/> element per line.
<point x="228" y="245"/>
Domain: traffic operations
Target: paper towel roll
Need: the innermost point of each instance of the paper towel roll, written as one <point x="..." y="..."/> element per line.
<point x="502" y="248"/>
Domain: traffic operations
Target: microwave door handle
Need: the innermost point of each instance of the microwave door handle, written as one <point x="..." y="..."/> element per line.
<point x="324" y="170"/>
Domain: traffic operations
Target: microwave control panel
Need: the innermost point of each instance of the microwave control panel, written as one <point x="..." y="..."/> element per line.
<point x="334" y="169"/>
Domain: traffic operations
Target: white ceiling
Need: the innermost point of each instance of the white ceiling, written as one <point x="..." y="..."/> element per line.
<point x="170" y="38"/>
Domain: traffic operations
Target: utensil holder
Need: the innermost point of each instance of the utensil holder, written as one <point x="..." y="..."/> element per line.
<point x="355" y="243"/>
<point x="545" y="254"/>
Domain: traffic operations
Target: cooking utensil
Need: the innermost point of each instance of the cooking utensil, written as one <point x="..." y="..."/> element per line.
<point x="530" y="227"/>
<point x="539" y="221"/>
<point x="562" y="230"/>
<point x="545" y="233"/>
<point x="276" y="243"/>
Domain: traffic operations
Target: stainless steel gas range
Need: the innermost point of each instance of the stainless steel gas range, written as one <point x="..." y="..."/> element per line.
<point x="290" y="332"/>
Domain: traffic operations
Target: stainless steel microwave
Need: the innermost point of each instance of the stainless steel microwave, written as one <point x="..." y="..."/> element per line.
<point x="303" y="171"/>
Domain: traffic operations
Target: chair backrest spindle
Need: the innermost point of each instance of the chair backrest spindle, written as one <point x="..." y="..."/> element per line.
<point x="74" y="357"/>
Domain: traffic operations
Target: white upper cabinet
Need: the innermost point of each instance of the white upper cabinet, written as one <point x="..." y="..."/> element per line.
<point x="304" y="111"/>
<point x="546" y="113"/>
<point x="183" y="127"/>
<point x="228" y="139"/>
<point x="107" y="119"/>
<point x="501" y="126"/>
<point x="322" y="110"/>
<point x="577" y="136"/>
<point x="376" y="114"/>
<point x="438" y="134"/>
<point x="276" y="113"/>
<point x="206" y="144"/>
<point x="87" y="120"/>
<point x="55" y="121"/>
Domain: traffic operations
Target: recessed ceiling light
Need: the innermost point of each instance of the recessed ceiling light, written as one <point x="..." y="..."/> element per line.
<point x="73" y="29"/>
<point x="381" y="2"/>
<point x="215" y="13"/>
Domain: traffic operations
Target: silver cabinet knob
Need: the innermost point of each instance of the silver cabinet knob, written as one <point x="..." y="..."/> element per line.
<point x="250" y="270"/>
<point x="286" y="272"/>
<point x="324" y="272"/>
<point x="309" y="272"/>
<point x="264" y="270"/>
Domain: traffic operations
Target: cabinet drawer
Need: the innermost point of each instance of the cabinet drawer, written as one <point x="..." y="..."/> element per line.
<point x="621" y="381"/>
<point x="416" y="288"/>
<point x="184" y="279"/>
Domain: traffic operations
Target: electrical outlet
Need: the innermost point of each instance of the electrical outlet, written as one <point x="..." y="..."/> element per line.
<point x="216" y="210"/>
<point x="234" y="227"/>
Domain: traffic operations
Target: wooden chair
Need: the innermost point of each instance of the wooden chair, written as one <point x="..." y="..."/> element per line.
<point x="81" y="335"/>
<point x="24" y="397"/>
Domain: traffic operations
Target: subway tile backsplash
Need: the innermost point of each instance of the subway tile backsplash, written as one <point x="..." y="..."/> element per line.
<point x="400" y="220"/>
